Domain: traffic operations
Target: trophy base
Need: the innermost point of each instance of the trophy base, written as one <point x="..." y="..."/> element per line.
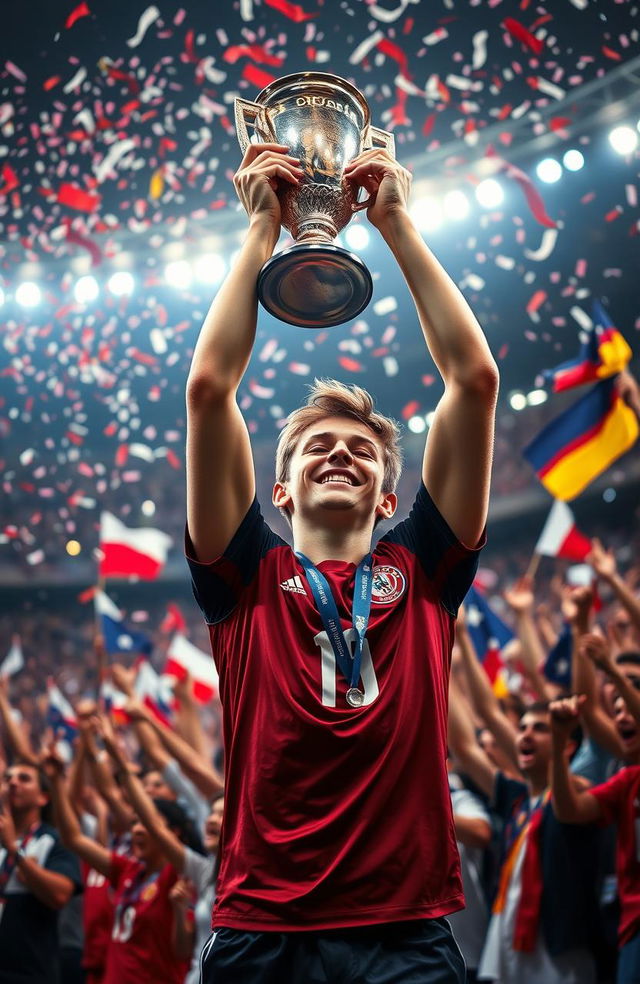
<point x="315" y="285"/>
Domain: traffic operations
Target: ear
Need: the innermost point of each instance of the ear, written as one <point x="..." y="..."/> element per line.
<point x="388" y="505"/>
<point x="281" y="497"/>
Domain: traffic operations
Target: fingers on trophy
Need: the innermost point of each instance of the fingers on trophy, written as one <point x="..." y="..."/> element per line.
<point x="325" y="122"/>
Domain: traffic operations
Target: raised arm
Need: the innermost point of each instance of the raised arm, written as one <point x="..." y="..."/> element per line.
<point x="520" y="598"/>
<point x="458" y="453"/>
<point x="482" y="696"/>
<point x="597" y="649"/>
<point x="15" y="737"/>
<point x="220" y="474"/>
<point x="604" y="564"/>
<point x="463" y="745"/>
<point x="569" y="804"/>
<point x="187" y="719"/>
<point x="89" y="850"/>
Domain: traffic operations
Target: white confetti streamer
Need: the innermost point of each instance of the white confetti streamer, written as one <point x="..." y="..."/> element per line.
<point x="116" y="151"/>
<point x="581" y="317"/>
<point x="77" y="80"/>
<point x="550" y="89"/>
<point x="365" y="47"/>
<point x="246" y="10"/>
<point x="389" y="16"/>
<point x="546" y="247"/>
<point x="385" y="305"/>
<point x="147" y="18"/>
<point x="439" y="34"/>
<point x="479" y="49"/>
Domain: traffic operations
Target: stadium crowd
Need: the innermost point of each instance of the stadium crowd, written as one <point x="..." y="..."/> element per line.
<point x="110" y="845"/>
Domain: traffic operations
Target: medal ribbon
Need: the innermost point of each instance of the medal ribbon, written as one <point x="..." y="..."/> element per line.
<point x="349" y="663"/>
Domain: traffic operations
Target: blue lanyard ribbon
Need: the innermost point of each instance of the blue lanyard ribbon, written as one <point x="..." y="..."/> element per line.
<point x="349" y="663"/>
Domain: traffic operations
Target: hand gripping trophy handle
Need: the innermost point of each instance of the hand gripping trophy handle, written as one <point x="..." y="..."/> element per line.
<point x="326" y="122"/>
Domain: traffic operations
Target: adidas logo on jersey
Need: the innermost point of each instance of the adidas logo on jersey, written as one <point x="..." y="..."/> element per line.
<point x="293" y="584"/>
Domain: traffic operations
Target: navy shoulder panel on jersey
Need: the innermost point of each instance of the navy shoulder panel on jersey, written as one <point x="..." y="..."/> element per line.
<point x="444" y="560"/>
<point x="217" y="586"/>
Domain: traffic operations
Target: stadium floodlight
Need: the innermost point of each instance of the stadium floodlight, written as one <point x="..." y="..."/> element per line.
<point x="623" y="139"/>
<point x="517" y="401"/>
<point x="209" y="268"/>
<point x="456" y="205"/>
<point x="28" y="294"/>
<point x="417" y="425"/>
<point x="121" y="283"/>
<point x="427" y="214"/>
<point x="549" y="170"/>
<point x="357" y="237"/>
<point x="178" y="274"/>
<point x="573" y="160"/>
<point x="86" y="289"/>
<point x="490" y="193"/>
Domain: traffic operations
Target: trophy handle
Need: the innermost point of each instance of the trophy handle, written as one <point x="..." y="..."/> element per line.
<point x="375" y="137"/>
<point x="245" y="112"/>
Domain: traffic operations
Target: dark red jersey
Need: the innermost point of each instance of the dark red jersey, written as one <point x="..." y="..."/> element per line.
<point x="141" y="939"/>
<point x="619" y="800"/>
<point x="335" y="816"/>
<point x="97" y="914"/>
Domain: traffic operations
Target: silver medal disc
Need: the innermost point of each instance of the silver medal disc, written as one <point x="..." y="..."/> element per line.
<point x="355" y="697"/>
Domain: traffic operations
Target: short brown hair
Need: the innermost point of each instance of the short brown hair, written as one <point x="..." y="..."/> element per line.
<point x="329" y="398"/>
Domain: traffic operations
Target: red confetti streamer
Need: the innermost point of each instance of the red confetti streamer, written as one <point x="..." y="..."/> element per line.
<point x="78" y="240"/>
<point x="291" y="10"/>
<point x="257" y="76"/>
<point x="77" y="198"/>
<point x="87" y="595"/>
<point x="144" y="357"/>
<point x="613" y="214"/>
<point x="532" y="195"/>
<point x="351" y="365"/>
<point x="75" y="438"/>
<point x="560" y="122"/>
<point x="505" y="112"/>
<point x="121" y="455"/>
<point x="610" y="53"/>
<point x="428" y="125"/>
<point x="120" y="76"/>
<point x="395" y="51"/>
<point x="173" y="459"/>
<point x="189" y="47"/>
<point x="80" y="11"/>
<point x="254" y="51"/>
<point x="9" y="178"/>
<point x="410" y="410"/>
<point x="519" y="31"/>
<point x="51" y="83"/>
<point x="536" y="300"/>
<point x="502" y="351"/>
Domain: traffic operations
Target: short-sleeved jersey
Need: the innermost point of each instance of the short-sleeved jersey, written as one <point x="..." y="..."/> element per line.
<point x="619" y="800"/>
<point x="141" y="946"/>
<point x="335" y="816"/>
<point x="28" y="927"/>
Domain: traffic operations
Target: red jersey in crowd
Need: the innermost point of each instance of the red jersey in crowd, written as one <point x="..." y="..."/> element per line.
<point x="619" y="800"/>
<point x="335" y="816"/>
<point x="141" y="940"/>
<point x="97" y="912"/>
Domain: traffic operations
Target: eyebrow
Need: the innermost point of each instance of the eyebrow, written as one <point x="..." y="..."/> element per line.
<point x="325" y="435"/>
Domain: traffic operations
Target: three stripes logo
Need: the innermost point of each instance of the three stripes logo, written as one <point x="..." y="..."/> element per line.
<point x="293" y="584"/>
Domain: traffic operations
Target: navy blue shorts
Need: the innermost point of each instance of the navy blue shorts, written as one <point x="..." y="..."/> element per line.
<point x="417" y="952"/>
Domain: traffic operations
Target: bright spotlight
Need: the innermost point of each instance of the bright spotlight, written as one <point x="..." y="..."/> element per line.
<point x="121" y="284"/>
<point x="148" y="507"/>
<point x="86" y="290"/>
<point x="489" y="193"/>
<point x="427" y="214"/>
<point x="549" y="170"/>
<point x="28" y="294"/>
<point x="518" y="401"/>
<point x="417" y="425"/>
<point x="456" y="205"/>
<point x="623" y="139"/>
<point x="536" y="397"/>
<point x="573" y="160"/>
<point x="178" y="274"/>
<point x="357" y="237"/>
<point x="209" y="268"/>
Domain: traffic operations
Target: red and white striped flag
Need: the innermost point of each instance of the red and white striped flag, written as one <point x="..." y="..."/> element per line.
<point x="182" y="658"/>
<point x="141" y="552"/>
<point x="561" y="537"/>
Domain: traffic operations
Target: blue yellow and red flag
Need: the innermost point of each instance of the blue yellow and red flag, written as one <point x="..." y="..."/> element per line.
<point x="603" y="353"/>
<point x="583" y="441"/>
<point x="489" y="635"/>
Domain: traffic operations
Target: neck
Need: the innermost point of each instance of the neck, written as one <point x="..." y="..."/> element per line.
<point x="537" y="784"/>
<point x="24" y="820"/>
<point x="322" y="543"/>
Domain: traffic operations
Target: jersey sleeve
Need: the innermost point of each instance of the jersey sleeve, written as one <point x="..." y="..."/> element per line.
<point x="613" y="794"/>
<point x="218" y="586"/>
<point x="444" y="559"/>
<point x="64" y="862"/>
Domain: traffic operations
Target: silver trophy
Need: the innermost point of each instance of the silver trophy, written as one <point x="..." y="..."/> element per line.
<point x="325" y="121"/>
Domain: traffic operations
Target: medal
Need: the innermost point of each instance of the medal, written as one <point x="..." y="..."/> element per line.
<point x="355" y="697"/>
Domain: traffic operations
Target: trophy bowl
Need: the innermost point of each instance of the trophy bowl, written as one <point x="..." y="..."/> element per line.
<point x="326" y="122"/>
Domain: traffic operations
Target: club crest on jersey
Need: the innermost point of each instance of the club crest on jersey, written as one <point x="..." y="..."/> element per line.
<point x="293" y="584"/>
<point x="149" y="892"/>
<point x="388" y="584"/>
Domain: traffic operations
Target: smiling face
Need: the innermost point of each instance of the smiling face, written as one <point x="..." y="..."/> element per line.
<point x="336" y="471"/>
<point x="628" y="730"/>
<point x="213" y="825"/>
<point x="533" y="744"/>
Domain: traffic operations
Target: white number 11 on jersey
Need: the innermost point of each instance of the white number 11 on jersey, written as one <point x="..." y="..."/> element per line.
<point x="367" y="672"/>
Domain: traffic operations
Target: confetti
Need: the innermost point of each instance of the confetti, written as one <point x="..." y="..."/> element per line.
<point x="149" y="16"/>
<point x="81" y="10"/>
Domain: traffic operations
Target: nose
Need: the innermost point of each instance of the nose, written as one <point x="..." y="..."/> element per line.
<point x="340" y="451"/>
